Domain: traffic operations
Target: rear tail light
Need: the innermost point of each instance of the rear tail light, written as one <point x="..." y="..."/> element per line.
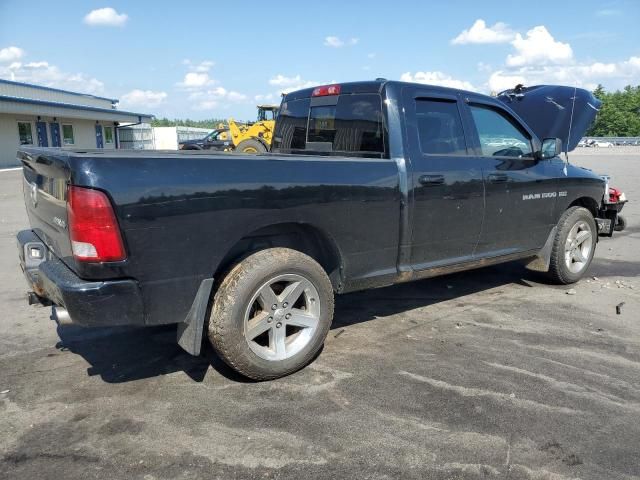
<point x="326" y="90"/>
<point x="93" y="228"/>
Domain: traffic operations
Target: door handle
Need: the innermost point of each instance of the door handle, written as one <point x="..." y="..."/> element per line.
<point x="498" y="177"/>
<point x="431" y="179"/>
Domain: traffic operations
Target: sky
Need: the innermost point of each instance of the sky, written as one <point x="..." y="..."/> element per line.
<point x="200" y="60"/>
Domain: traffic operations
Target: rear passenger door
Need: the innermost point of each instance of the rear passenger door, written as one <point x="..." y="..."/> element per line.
<point x="520" y="190"/>
<point x="445" y="181"/>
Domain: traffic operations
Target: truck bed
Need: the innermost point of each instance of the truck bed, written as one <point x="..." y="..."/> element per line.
<point x="181" y="212"/>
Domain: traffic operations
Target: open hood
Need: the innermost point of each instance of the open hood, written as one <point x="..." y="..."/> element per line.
<point x="550" y="111"/>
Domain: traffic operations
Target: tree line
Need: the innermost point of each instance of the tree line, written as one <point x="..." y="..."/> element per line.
<point x="210" y="123"/>
<point x="619" y="115"/>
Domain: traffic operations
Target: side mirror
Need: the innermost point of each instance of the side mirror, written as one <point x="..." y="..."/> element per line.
<point x="551" y="147"/>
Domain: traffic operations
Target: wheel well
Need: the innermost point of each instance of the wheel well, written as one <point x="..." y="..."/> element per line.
<point x="297" y="236"/>
<point x="588" y="203"/>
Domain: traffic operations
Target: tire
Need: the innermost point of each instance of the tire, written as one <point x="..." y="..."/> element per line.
<point x="254" y="338"/>
<point x="251" y="145"/>
<point x="573" y="246"/>
<point x="621" y="223"/>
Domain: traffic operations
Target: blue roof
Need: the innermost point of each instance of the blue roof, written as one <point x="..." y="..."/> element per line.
<point x="50" y="89"/>
<point x="7" y="98"/>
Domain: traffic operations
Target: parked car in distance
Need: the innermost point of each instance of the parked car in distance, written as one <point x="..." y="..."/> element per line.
<point x="218" y="140"/>
<point x="601" y="144"/>
<point x="368" y="184"/>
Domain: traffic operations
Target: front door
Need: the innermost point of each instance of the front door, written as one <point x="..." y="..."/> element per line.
<point x="41" y="131"/>
<point x="445" y="181"/>
<point x="520" y="189"/>
<point x="99" y="139"/>
<point x="54" y="129"/>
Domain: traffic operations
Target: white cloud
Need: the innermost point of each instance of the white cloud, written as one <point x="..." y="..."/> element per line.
<point x="105" y="17"/>
<point x="283" y="81"/>
<point x="10" y="54"/>
<point x="203" y="66"/>
<point x="42" y="73"/>
<point x="198" y="76"/>
<point x="268" y="97"/>
<point x="436" y="78"/>
<point x="608" y="12"/>
<point x="196" y="80"/>
<point x="215" y="97"/>
<point x="337" y="42"/>
<point x="291" y="84"/>
<point x="538" y="48"/>
<point x="480" y="33"/>
<point x="204" y="91"/>
<point x="584" y="75"/>
<point x="499" y="81"/>
<point x="146" y="98"/>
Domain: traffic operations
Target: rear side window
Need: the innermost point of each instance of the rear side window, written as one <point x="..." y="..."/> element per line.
<point x="500" y="135"/>
<point x="291" y="126"/>
<point x="353" y="126"/>
<point x="440" y="127"/>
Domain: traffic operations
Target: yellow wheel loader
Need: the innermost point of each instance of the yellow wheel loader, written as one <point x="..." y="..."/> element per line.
<point x="254" y="137"/>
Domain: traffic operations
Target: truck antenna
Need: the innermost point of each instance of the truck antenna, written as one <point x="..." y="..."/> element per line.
<point x="566" y="148"/>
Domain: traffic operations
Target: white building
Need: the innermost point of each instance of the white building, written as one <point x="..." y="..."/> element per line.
<point x="49" y="117"/>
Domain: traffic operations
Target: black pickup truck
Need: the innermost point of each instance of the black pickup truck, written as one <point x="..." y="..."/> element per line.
<point x="368" y="184"/>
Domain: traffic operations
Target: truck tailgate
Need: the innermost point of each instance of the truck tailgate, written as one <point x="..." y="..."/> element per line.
<point x="45" y="180"/>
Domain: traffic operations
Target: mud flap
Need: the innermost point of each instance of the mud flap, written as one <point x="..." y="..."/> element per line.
<point x="540" y="263"/>
<point x="190" y="330"/>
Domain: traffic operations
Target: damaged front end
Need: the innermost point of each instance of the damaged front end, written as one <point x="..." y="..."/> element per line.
<point x="609" y="218"/>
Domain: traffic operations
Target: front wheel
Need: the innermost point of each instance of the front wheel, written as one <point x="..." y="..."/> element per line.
<point x="271" y="313"/>
<point x="251" y="145"/>
<point x="573" y="246"/>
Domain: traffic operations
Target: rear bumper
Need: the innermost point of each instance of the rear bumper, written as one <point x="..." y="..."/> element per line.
<point x="91" y="304"/>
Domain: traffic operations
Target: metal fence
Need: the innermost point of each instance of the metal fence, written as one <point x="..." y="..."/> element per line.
<point x="191" y="133"/>
<point x="617" y="141"/>
<point x="146" y="137"/>
<point x="136" y="137"/>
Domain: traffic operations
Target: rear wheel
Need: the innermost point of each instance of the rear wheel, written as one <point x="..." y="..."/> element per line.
<point x="573" y="246"/>
<point x="271" y="313"/>
<point x="251" y="145"/>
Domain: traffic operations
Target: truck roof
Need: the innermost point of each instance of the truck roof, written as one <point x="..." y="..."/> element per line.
<point x="373" y="86"/>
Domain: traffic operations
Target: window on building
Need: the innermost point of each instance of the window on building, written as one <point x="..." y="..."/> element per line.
<point x="108" y="134"/>
<point x="500" y="135"/>
<point x="440" y="127"/>
<point x="67" y="135"/>
<point x="25" y="134"/>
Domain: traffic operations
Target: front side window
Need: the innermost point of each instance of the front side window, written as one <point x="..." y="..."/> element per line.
<point x="440" y="127"/>
<point x="500" y="136"/>
<point x="108" y="134"/>
<point x="353" y="125"/>
<point x="24" y="133"/>
<point x="67" y="135"/>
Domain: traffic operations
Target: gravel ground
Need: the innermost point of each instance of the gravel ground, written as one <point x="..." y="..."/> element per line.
<point x="484" y="374"/>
